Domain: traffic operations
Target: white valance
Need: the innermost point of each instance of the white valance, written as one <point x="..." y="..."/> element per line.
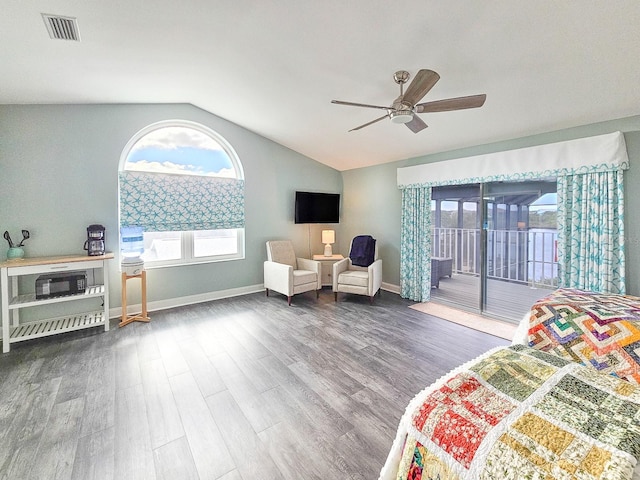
<point x="591" y="154"/>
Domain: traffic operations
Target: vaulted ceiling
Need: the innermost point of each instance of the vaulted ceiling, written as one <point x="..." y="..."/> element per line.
<point x="274" y="67"/>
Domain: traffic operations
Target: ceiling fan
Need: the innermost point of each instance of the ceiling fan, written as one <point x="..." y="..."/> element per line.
<point x="405" y="107"/>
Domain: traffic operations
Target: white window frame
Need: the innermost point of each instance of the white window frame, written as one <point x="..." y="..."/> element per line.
<point x="187" y="237"/>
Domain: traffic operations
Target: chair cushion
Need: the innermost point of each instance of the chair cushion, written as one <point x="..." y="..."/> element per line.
<point x="300" y="277"/>
<point x="281" y="251"/>
<point x="357" y="278"/>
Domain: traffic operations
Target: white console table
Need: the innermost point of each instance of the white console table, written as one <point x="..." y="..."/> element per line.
<point x="13" y="300"/>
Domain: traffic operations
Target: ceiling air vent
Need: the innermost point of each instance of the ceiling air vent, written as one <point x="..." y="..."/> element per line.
<point x="61" y="28"/>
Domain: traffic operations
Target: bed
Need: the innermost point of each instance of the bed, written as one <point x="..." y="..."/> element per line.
<point x="599" y="330"/>
<point x="517" y="412"/>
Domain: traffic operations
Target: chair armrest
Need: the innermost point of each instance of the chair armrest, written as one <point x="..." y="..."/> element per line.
<point x="308" y="264"/>
<point x="339" y="267"/>
<point x="279" y="277"/>
<point x="375" y="276"/>
<point x="312" y="265"/>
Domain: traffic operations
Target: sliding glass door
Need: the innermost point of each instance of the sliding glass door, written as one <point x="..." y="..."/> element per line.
<point x="519" y="245"/>
<point x="494" y="245"/>
<point x="455" y="258"/>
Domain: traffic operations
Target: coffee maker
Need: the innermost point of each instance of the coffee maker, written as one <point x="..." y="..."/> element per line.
<point x="95" y="240"/>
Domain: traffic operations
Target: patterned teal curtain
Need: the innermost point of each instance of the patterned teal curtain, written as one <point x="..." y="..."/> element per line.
<point x="591" y="231"/>
<point x="415" y="244"/>
<point x="161" y="202"/>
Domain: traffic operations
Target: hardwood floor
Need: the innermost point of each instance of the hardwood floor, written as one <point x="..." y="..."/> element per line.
<point x="235" y="389"/>
<point x="504" y="300"/>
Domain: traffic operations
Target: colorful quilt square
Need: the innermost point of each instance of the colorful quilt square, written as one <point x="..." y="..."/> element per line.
<point x="601" y="415"/>
<point x="457" y="416"/>
<point x="418" y="463"/>
<point x="513" y="374"/>
<point x="536" y="448"/>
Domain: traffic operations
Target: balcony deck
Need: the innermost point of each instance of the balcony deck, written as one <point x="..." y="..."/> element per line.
<point x="505" y="300"/>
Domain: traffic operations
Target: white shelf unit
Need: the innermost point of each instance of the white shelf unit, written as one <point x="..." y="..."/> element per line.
<point x="13" y="301"/>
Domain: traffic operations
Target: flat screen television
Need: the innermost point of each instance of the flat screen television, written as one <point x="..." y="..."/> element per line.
<point x="312" y="207"/>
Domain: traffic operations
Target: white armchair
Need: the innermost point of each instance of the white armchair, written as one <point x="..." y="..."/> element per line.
<point x="350" y="278"/>
<point x="286" y="274"/>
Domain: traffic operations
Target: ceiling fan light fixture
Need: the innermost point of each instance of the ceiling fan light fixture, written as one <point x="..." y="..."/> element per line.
<point x="405" y="107"/>
<point x="401" y="116"/>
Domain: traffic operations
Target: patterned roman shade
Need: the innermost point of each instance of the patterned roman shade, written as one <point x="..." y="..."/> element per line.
<point x="162" y="202"/>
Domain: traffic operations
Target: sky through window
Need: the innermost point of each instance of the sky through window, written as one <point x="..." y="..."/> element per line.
<point x="180" y="150"/>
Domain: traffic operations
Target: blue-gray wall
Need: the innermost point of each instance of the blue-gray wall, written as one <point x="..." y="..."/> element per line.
<point x="372" y="201"/>
<point x="58" y="174"/>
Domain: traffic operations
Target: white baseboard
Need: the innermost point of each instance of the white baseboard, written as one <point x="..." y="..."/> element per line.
<point x="389" y="287"/>
<point x="207" y="297"/>
<point x="188" y="300"/>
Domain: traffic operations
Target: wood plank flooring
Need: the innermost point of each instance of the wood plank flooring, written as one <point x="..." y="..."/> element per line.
<point x="505" y="300"/>
<point x="236" y="389"/>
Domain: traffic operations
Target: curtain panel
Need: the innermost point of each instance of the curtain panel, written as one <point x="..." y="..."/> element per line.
<point x="415" y="244"/>
<point x="161" y="202"/>
<point x="591" y="252"/>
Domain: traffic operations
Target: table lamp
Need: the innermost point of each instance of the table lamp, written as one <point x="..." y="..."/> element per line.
<point x="328" y="237"/>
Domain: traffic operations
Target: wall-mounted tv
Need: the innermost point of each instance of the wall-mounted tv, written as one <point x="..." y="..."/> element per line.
<point x="312" y="207"/>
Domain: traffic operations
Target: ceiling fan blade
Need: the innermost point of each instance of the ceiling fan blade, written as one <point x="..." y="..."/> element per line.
<point x="351" y="104"/>
<point x="421" y="84"/>
<point x="371" y="122"/>
<point x="416" y="124"/>
<point x="459" y="103"/>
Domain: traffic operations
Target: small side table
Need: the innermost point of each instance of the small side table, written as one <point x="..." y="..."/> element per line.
<point x="327" y="268"/>
<point x="141" y="317"/>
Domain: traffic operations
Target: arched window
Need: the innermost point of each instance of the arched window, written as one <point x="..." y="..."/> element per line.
<point x="184" y="185"/>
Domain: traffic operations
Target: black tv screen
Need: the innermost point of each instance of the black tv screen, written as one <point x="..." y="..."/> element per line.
<point x="317" y="207"/>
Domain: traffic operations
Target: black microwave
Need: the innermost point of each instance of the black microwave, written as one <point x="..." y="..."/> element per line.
<point x="60" y="284"/>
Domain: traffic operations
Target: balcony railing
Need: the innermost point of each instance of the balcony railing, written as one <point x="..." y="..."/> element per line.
<point x="520" y="256"/>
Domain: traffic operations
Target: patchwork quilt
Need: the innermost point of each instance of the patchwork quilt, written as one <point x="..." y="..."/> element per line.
<point x="599" y="330"/>
<point x="519" y="413"/>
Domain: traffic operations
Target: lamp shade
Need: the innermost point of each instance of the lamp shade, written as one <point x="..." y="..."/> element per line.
<point x="328" y="236"/>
